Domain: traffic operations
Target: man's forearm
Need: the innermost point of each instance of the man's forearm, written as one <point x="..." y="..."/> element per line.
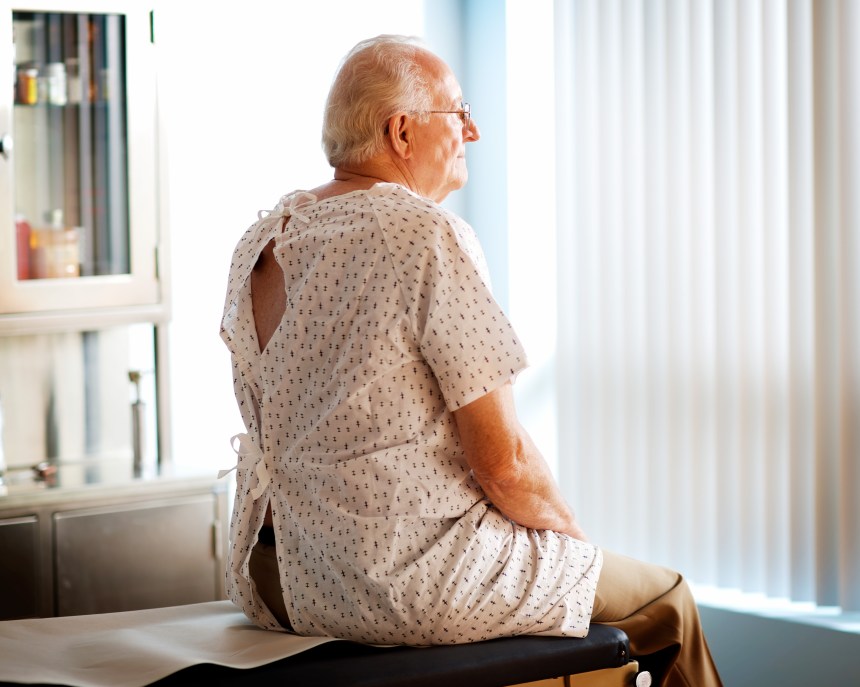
<point x="509" y="467"/>
<point x="529" y="495"/>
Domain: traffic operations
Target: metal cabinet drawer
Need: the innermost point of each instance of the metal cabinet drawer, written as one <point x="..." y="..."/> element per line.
<point x="19" y="567"/>
<point x="135" y="556"/>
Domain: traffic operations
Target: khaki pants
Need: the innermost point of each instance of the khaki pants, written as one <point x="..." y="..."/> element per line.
<point x="267" y="578"/>
<point x="654" y="606"/>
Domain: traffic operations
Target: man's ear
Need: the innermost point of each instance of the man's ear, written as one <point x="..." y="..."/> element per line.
<point x="399" y="132"/>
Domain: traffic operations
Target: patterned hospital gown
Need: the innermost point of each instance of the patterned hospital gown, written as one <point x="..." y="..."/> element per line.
<point x="382" y="533"/>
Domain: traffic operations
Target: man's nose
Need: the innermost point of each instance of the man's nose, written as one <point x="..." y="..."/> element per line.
<point x="471" y="131"/>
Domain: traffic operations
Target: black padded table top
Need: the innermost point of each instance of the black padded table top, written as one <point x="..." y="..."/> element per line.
<point x="482" y="664"/>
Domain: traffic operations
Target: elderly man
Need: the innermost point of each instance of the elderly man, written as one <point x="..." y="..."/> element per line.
<point x="386" y="492"/>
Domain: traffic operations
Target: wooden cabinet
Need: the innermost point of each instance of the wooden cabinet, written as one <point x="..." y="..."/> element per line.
<point x="110" y="548"/>
<point x="79" y="225"/>
<point x="84" y="298"/>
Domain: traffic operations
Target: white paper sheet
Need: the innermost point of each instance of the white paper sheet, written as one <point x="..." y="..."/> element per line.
<point x="136" y="648"/>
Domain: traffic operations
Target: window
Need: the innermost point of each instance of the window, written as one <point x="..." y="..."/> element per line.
<point x="709" y="237"/>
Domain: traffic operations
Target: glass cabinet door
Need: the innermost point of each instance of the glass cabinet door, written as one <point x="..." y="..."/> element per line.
<point x="80" y="218"/>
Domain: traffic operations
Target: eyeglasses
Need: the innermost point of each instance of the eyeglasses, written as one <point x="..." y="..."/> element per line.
<point x="465" y="112"/>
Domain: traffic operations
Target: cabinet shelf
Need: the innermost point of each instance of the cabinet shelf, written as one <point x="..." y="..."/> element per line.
<point x="82" y="320"/>
<point x="66" y="106"/>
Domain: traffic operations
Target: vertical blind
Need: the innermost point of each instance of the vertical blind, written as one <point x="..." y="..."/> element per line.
<point x="709" y="248"/>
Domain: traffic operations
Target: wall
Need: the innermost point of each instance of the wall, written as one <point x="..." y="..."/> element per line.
<point x="242" y="90"/>
<point x="753" y="650"/>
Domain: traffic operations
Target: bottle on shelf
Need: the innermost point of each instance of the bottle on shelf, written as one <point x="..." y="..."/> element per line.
<point x="55" y="84"/>
<point x="73" y="80"/>
<point x="22" y="238"/>
<point x="27" y="86"/>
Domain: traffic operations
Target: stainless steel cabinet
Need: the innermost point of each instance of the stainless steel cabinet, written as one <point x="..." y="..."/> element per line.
<point x="19" y="567"/>
<point x="112" y="548"/>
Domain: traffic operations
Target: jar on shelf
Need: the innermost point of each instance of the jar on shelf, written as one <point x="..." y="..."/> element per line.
<point x="55" y="250"/>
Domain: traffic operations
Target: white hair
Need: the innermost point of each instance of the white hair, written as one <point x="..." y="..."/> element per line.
<point x="377" y="79"/>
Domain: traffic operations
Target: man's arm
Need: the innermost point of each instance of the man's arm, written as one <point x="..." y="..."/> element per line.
<point x="509" y="467"/>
